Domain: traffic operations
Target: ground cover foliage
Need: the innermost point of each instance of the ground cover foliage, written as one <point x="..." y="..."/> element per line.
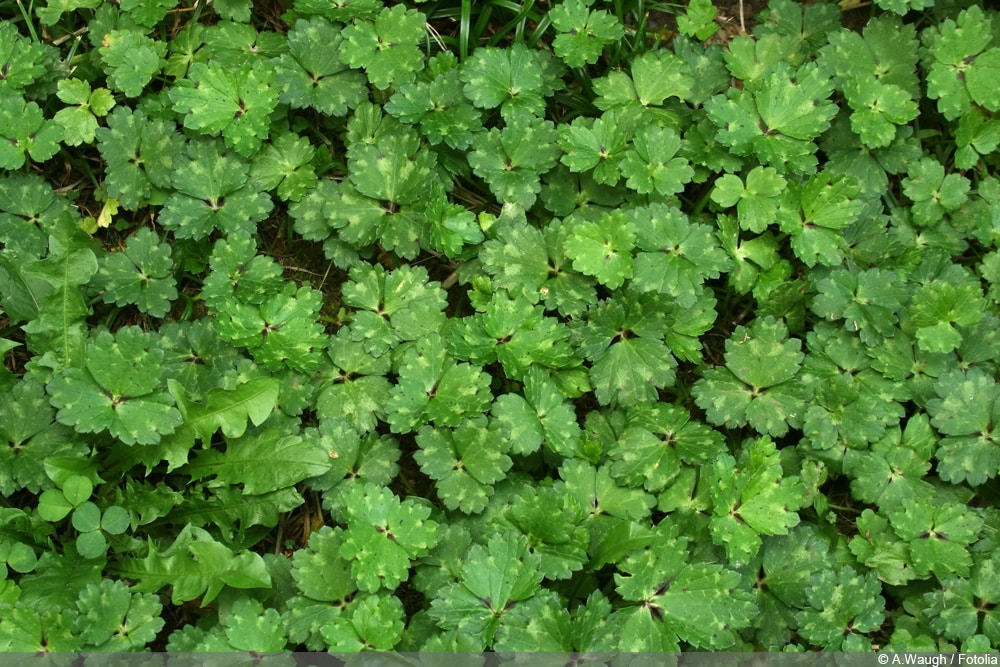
<point x="564" y="326"/>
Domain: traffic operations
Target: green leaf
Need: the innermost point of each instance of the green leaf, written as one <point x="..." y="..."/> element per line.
<point x="757" y="202"/>
<point x="757" y="386"/>
<point x="778" y="119"/>
<point x="386" y="48"/>
<point x="441" y="109"/>
<point x="494" y="580"/>
<point x="312" y="73"/>
<point x="966" y="408"/>
<point x="603" y="249"/>
<point x="752" y="497"/>
<point x="939" y="306"/>
<point x="841" y="603"/>
<point x="464" y="463"/>
<point x="583" y="33"/>
<point x="253" y="628"/>
<point x="656" y="75"/>
<point x="384" y="535"/>
<point x="395" y="168"/>
<point x="79" y="122"/>
<point x="597" y="494"/>
<point x="196" y="566"/>
<point x="515" y="333"/>
<point x="133" y="59"/>
<point x="699" y="603"/>
<point x="376" y="623"/>
<point x="320" y="572"/>
<point x="142" y="155"/>
<point x="392" y="307"/>
<point x="112" y="618"/>
<point x="228" y="410"/>
<point x="141" y="274"/>
<point x="516" y="79"/>
<point x="433" y="388"/>
<point x="24" y="131"/>
<point x="892" y="473"/>
<point x="31" y="211"/>
<point x="282" y="331"/>
<point x="699" y="20"/>
<point x="658" y="439"/>
<point x="676" y="256"/>
<point x="285" y="164"/>
<point x="597" y="146"/>
<point x="213" y="192"/>
<point x="234" y="102"/>
<point x="512" y="160"/>
<point x="939" y="535"/>
<point x="540" y="416"/>
<point x="651" y="165"/>
<point x="117" y="391"/>
<point x="262" y="462"/>
<point x="960" y="65"/>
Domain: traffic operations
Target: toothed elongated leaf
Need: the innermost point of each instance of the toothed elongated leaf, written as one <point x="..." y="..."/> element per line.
<point x="227" y="410"/>
<point x="195" y="566"/>
<point x="260" y="462"/>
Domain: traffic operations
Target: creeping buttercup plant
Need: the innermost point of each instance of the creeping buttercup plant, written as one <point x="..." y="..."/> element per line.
<point x="450" y="326"/>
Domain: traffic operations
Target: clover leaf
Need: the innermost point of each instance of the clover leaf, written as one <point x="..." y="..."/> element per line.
<point x="358" y="391"/>
<point x="932" y="192"/>
<point x="531" y="263"/>
<point x="29" y="212"/>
